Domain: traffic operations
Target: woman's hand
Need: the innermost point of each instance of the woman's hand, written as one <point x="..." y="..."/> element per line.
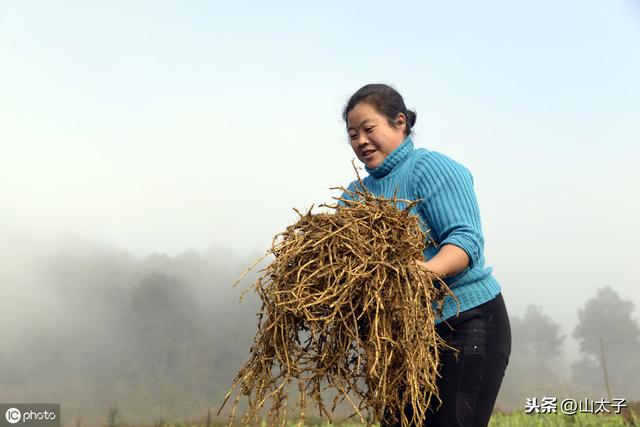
<point x="427" y="267"/>
<point x="449" y="261"/>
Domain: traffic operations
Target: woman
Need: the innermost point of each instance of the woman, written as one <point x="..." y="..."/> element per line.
<point x="379" y="128"/>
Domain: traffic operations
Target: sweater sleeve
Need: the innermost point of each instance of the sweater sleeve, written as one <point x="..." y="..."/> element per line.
<point x="449" y="203"/>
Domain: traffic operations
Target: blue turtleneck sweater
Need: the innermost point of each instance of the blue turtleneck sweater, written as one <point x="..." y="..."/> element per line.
<point x="448" y="209"/>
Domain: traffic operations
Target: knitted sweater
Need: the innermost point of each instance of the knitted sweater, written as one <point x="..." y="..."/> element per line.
<point x="448" y="209"/>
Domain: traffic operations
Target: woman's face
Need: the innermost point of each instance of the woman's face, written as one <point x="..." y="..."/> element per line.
<point x="372" y="137"/>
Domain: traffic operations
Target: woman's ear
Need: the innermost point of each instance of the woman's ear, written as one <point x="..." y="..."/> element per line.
<point x="401" y="122"/>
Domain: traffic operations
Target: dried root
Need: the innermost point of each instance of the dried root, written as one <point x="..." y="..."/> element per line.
<point x="345" y="306"/>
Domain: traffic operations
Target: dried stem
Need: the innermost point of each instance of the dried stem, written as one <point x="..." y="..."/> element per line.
<point x="345" y="303"/>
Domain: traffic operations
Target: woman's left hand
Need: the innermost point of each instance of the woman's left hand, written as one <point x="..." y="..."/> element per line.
<point x="449" y="261"/>
<point x="428" y="267"/>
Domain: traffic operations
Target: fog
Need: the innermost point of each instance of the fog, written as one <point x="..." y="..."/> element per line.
<point x="162" y="337"/>
<point x="149" y="153"/>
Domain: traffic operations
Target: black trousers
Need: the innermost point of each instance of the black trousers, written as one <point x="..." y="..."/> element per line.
<point x="470" y="382"/>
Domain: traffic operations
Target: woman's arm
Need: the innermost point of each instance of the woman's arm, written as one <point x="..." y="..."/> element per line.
<point x="449" y="261"/>
<point x="450" y="208"/>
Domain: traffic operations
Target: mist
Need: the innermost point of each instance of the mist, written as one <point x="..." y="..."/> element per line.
<point x="150" y="152"/>
<point x="162" y="337"/>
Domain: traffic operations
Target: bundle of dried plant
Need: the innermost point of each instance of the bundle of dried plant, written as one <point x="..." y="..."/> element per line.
<point x="345" y="306"/>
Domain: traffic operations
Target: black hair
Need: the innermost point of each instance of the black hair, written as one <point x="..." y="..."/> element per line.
<point x="386" y="100"/>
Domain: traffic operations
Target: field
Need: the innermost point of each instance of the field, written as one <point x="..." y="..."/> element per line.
<point x="515" y="419"/>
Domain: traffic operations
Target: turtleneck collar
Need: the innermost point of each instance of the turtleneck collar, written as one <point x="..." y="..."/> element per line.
<point x="394" y="158"/>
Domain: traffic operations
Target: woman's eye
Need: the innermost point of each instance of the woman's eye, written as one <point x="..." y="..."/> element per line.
<point x="353" y="136"/>
<point x="369" y="129"/>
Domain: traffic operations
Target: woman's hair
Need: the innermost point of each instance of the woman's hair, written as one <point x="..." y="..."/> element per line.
<point x="386" y="100"/>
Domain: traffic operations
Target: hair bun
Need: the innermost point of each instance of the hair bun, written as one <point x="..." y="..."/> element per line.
<point x="411" y="118"/>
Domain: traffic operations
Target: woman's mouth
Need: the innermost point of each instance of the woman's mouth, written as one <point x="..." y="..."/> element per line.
<point x="368" y="153"/>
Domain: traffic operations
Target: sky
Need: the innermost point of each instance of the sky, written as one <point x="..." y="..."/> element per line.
<point x="159" y="127"/>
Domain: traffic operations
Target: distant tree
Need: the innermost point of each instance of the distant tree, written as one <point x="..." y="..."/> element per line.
<point x="533" y="364"/>
<point x="609" y="318"/>
<point x="163" y="307"/>
<point x="112" y="416"/>
<point x="163" y="323"/>
<point x="537" y="334"/>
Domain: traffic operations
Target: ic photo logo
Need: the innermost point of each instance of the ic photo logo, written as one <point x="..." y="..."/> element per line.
<point x="13" y="415"/>
<point x="28" y="415"/>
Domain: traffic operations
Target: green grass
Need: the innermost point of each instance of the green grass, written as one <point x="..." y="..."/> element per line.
<point x="515" y="419"/>
<point x="521" y="419"/>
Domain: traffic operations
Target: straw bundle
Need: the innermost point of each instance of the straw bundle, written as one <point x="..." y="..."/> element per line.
<point x="345" y="306"/>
